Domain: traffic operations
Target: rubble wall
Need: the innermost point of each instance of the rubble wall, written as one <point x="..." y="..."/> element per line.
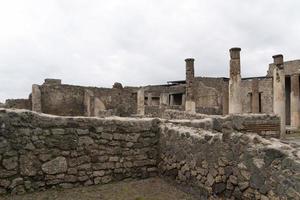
<point x="266" y="125"/>
<point x="43" y="151"/>
<point x="214" y="165"/>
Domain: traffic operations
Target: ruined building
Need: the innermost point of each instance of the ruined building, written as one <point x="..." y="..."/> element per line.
<point x="277" y="92"/>
<point x="191" y="142"/>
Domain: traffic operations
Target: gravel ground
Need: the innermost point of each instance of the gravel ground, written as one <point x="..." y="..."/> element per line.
<point x="148" y="189"/>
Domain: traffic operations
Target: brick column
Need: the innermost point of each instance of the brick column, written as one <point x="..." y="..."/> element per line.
<point x="279" y="92"/>
<point x="36" y="98"/>
<point x="255" y="96"/>
<point x="295" y="101"/>
<point x="235" y="102"/>
<point x="190" y="105"/>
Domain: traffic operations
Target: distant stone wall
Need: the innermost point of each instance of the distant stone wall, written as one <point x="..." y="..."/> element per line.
<point x="18" y="103"/>
<point x="41" y="151"/>
<point x="265" y="88"/>
<point x="69" y="100"/>
<point x="215" y="165"/>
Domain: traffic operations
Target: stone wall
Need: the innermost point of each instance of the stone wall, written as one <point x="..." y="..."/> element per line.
<point x="215" y="165"/>
<point x="18" y="103"/>
<point x="210" y="156"/>
<point x="265" y="87"/>
<point x="265" y="125"/>
<point x="211" y="95"/>
<point x="69" y="100"/>
<point x="43" y="151"/>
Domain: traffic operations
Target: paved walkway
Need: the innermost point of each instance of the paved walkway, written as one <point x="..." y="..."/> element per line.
<point x="148" y="189"/>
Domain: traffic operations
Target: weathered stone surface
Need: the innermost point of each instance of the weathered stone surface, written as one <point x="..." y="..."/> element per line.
<point x="10" y="163"/>
<point x="29" y="164"/>
<point x="69" y="152"/>
<point x="55" y="166"/>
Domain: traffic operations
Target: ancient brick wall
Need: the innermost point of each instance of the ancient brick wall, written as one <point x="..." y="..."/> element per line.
<point x="215" y="165"/>
<point x="41" y="151"/>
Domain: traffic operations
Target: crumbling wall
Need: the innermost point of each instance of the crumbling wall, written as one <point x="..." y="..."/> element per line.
<point x="18" y="103"/>
<point x="233" y="165"/>
<point x="209" y="156"/>
<point x="40" y="151"/>
<point x="266" y="125"/>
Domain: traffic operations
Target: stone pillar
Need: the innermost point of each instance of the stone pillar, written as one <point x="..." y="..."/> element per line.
<point x="149" y="99"/>
<point x="279" y="92"/>
<point x="183" y="99"/>
<point x="235" y="102"/>
<point x="36" y="98"/>
<point x="164" y="99"/>
<point x="295" y="101"/>
<point x="190" y="105"/>
<point x="255" y="96"/>
<point x="141" y="101"/>
<point x="225" y="100"/>
<point x="171" y="100"/>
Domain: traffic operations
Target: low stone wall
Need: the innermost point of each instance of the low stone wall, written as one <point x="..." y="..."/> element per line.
<point x="228" y="166"/>
<point x="176" y="114"/>
<point x="43" y="151"/>
<point x="211" y="156"/>
<point x="265" y="125"/>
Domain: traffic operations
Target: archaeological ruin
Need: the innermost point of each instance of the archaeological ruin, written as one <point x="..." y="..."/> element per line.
<point x="215" y="138"/>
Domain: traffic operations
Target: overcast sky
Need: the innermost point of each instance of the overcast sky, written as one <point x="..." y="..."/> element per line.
<point x="138" y="42"/>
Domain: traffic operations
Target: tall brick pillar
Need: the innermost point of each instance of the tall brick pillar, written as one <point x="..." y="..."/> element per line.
<point x="36" y="98"/>
<point x="295" y="101"/>
<point x="190" y="105"/>
<point x="279" y="92"/>
<point x="235" y="102"/>
<point x="255" y="96"/>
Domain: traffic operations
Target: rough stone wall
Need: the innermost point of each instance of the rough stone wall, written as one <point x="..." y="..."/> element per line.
<point x="215" y="165"/>
<point x="265" y="125"/>
<point x="18" y="103"/>
<point x="42" y="151"/>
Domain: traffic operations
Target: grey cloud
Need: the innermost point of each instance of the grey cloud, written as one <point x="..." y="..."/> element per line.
<point x="138" y="42"/>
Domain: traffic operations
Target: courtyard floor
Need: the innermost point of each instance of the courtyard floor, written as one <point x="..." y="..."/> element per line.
<point x="148" y="189"/>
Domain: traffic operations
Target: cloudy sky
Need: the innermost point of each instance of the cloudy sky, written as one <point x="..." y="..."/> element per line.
<point x="138" y="42"/>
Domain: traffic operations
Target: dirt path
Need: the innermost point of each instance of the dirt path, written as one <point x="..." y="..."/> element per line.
<point x="148" y="189"/>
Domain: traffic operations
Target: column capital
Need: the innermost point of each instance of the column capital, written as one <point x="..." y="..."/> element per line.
<point x="235" y="52"/>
